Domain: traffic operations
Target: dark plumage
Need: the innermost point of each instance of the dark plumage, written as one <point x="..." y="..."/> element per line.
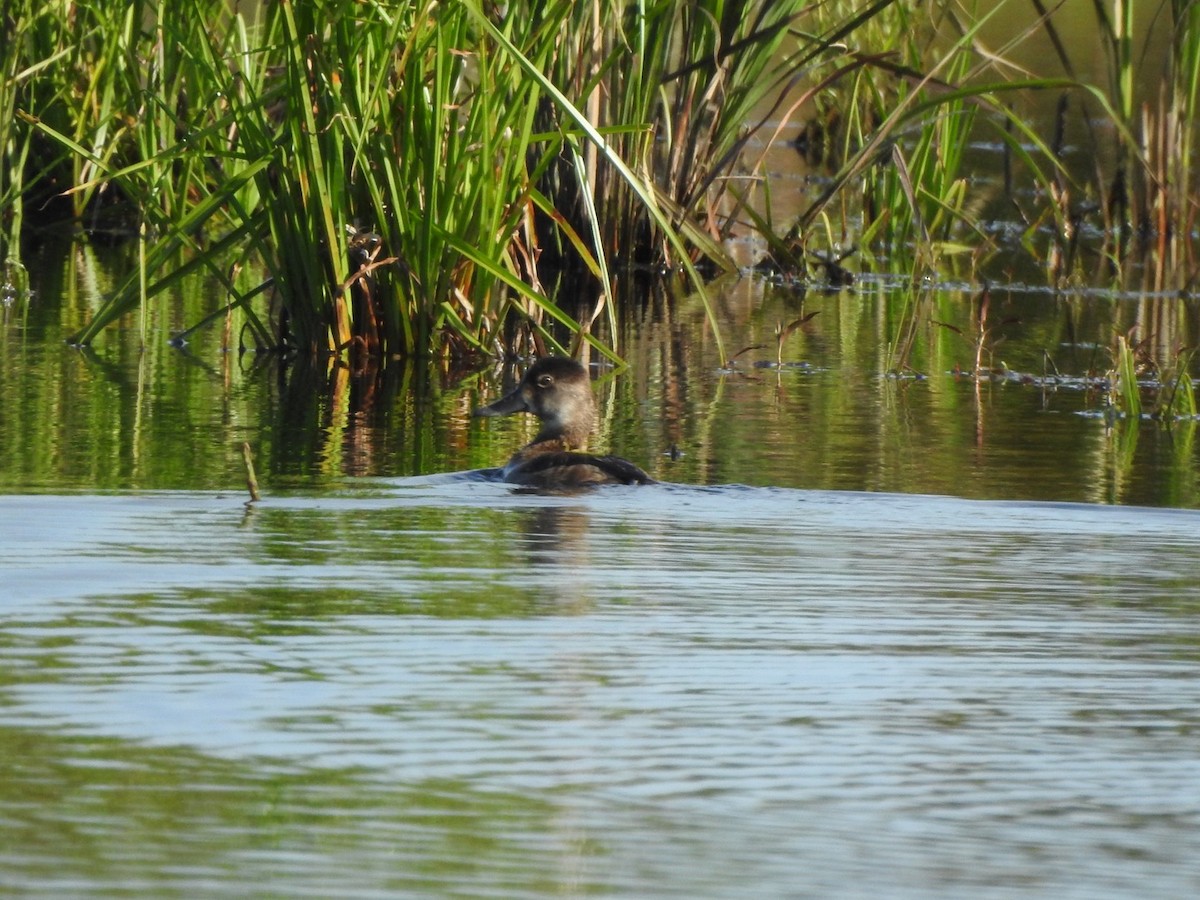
<point x="559" y="392"/>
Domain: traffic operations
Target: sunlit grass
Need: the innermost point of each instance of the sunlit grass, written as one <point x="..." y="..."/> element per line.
<point x="396" y="173"/>
<point x="1144" y="198"/>
<point x="377" y="181"/>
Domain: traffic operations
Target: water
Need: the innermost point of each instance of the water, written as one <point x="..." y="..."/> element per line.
<point x="438" y="687"/>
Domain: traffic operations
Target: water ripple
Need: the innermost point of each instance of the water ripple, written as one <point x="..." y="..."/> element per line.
<point x="440" y="687"/>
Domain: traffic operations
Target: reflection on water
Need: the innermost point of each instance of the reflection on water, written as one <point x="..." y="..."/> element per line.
<point x="823" y="405"/>
<point x="439" y="686"/>
<point x="829" y="418"/>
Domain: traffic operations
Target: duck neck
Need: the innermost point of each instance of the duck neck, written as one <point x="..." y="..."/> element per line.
<point x="557" y="436"/>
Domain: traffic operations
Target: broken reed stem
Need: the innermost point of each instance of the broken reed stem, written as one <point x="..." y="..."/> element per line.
<point x="251" y="478"/>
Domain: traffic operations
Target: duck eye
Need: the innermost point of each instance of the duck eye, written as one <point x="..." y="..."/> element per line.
<point x="545" y="380"/>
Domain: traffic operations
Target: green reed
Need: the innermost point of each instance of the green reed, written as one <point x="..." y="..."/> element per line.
<point x="1137" y="368"/>
<point x="396" y="174"/>
<point x="1146" y="190"/>
<point x="1124" y="391"/>
<point x="690" y="74"/>
<point x="395" y="180"/>
<point x="13" y="150"/>
<point x="902" y="122"/>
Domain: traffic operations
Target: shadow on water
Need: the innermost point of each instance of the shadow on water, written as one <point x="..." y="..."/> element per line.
<point x="436" y="684"/>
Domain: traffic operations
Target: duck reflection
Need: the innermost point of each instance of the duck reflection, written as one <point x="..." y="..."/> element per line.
<point x="555" y="535"/>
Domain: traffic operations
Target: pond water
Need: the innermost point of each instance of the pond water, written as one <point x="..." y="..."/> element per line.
<point x="433" y="686"/>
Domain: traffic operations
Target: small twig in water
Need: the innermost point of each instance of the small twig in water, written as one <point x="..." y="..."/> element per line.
<point x="251" y="478"/>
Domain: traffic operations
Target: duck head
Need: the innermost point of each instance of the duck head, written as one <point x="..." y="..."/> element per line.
<point x="559" y="392"/>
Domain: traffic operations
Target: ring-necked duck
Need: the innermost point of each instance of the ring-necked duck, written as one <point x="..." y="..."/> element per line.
<point x="559" y="392"/>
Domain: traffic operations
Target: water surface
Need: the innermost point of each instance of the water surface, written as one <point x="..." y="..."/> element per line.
<point x="434" y="686"/>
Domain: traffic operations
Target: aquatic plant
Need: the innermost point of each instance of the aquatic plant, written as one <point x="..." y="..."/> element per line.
<point x="1139" y="181"/>
<point x="12" y="153"/>
<point x="1135" y="371"/>
<point x="1177" y="396"/>
<point x="897" y="131"/>
<point x="1124" y="391"/>
<point x="398" y="175"/>
<point x="281" y="132"/>
<point x="456" y="180"/>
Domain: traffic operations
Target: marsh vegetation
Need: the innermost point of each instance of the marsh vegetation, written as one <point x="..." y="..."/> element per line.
<point x="461" y="181"/>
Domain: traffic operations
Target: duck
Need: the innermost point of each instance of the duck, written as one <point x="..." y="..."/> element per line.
<point x="558" y="391"/>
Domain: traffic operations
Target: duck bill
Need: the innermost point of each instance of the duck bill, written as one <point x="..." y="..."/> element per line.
<point x="505" y="406"/>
